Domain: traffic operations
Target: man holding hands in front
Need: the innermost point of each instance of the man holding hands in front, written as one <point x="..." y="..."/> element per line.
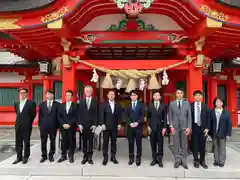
<point x="180" y="122"/>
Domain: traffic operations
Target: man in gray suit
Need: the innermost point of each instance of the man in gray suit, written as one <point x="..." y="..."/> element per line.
<point x="180" y="123"/>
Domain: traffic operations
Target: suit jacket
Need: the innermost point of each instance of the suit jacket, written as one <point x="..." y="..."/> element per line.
<point x="136" y="115"/>
<point x="87" y="117"/>
<point x="157" y="119"/>
<point x="225" y="124"/>
<point x="48" y="121"/>
<point x="67" y="118"/>
<point x="180" y="119"/>
<point x="110" y="119"/>
<point x="205" y="117"/>
<point x="25" y="118"/>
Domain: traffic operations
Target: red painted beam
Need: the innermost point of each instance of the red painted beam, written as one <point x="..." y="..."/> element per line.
<point x="153" y="37"/>
<point x="132" y="64"/>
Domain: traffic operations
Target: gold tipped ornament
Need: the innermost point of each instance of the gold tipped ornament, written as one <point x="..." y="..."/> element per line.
<point x="132" y="85"/>
<point x="153" y="83"/>
<point x="107" y="82"/>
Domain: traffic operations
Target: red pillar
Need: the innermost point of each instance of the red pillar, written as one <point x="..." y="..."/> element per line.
<point x="212" y="90"/>
<point x="232" y="99"/>
<point x="194" y="81"/>
<point x="69" y="80"/>
<point x="46" y="86"/>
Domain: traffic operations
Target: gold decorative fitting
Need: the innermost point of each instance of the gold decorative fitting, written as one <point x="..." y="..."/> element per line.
<point x="213" y="13"/>
<point x="199" y="61"/>
<point x="200" y="43"/>
<point x="213" y="24"/>
<point x="8" y="24"/>
<point x="56" y="24"/>
<point x="55" y="15"/>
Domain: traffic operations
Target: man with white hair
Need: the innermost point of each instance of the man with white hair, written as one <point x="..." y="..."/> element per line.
<point x="87" y="122"/>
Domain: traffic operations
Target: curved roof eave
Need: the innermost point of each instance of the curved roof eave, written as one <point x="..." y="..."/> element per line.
<point x="35" y="21"/>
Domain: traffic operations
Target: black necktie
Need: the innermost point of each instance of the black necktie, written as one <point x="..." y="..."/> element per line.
<point x="179" y="104"/>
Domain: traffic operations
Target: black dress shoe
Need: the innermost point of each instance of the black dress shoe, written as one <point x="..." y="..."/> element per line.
<point x="196" y="164"/>
<point x="185" y="166"/>
<point x="215" y="164"/>
<point x="203" y="164"/>
<point x="221" y="165"/>
<point x="90" y="161"/>
<point x="17" y="161"/>
<point x="153" y="163"/>
<point x="138" y="161"/>
<point x="176" y="165"/>
<point x="43" y="159"/>
<point x="71" y="160"/>
<point x="131" y="161"/>
<point x="51" y="159"/>
<point x="62" y="159"/>
<point x="160" y="164"/>
<point x="84" y="161"/>
<point x="114" y="160"/>
<point x="25" y="160"/>
<point x="105" y="161"/>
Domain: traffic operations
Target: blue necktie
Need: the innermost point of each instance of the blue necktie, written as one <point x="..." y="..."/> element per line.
<point x="134" y="105"/>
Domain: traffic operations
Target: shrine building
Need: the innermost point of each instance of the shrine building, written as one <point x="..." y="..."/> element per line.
<point x="122" y="44"/>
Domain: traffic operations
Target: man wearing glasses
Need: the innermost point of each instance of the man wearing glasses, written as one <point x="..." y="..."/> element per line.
<point x="25" y="114"/>
<point x="180" y="123"/>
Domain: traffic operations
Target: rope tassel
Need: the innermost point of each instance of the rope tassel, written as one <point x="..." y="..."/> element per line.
<point x="132" y="85"/>
<point x="107" y="82"/>
<point x="153" y="83"/>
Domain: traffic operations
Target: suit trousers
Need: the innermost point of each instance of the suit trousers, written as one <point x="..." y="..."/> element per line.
<point x="22" y="139"/>
<point x="106" y="136"/>
<point x="68" y="141"/>
<point x="134" y="134"/>
<point x="219" y="150"/>
<point x="87" y="143"/>
<point x="44" y="137"/>
<point x="198" y="143"/>
<point x="180" y="143"/>
<point x="156" y="141"/>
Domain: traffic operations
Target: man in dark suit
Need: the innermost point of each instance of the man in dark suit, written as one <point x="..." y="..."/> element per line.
<point x="25" y="112"/>
<point x="157" y="124"/>
<point x="110" y="121"/>
<point x="48" y="124"/>
<point x="67" y="116"/>
<point x="135" y="119"/>
<point x="200" y="127"/>
<point x="87" y="122"/>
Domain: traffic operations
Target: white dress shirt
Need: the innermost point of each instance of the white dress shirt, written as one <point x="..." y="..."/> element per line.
<point x="68" y="105"/>
<point x="156" y="104"/>
<point x="196" y="104"/>
<point x="112" y="105"/>
<point x="22" y="104"/>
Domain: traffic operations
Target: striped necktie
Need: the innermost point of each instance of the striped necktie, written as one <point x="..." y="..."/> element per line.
<point x="198" y="114"/>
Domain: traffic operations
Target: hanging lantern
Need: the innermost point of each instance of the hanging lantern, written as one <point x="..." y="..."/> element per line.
<point x="165" y="79"/>
<point x="95" y="76"/>
<point x="119" y="83"/>
<point x="142" y="84"/>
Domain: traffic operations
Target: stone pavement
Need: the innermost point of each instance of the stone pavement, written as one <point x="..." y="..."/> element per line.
<point x="66" y="171"/>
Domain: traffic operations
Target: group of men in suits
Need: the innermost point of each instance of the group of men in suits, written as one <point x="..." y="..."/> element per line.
<point x="184" y="118"/>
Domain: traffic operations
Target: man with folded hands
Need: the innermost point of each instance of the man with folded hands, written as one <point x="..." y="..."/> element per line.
<point x="157" y="124"/>
<point x="135" y="119"/>
<point x="110" y="121"/>
<point x="87" y="122"/>
<point x="67" y="116"/>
